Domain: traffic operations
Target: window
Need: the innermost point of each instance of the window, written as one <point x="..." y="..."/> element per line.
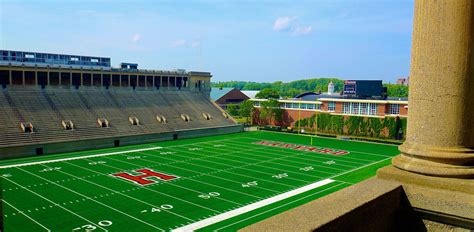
<point x="74" y="59"/>
<point x="29" y="56"/>
<point x="364" y="108"/>
<point x="394" y="109"/>
<point x="304" y="106"/>
<point x="94" y="60"/>
<point x="311" y="106"/>
<point x="355" y="108"/>
<point x="346" y="108"/>
<point x="373" y="109"/>
<point x="257" y="103"/>
<point x="331" y="106"/>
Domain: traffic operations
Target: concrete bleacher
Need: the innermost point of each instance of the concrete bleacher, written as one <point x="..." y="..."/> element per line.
<point x="47" y="108"/>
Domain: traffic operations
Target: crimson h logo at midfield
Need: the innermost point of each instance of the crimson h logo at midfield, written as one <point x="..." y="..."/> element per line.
<point x="148" y="177"/>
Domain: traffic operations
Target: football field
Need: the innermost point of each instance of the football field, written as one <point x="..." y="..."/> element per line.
<point x="211" y="183"/>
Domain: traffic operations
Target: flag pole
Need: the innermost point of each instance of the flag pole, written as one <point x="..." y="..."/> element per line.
<point x="299" y="116"/>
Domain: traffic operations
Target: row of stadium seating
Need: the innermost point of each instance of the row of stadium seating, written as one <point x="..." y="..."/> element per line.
<point x="56" y="115"/>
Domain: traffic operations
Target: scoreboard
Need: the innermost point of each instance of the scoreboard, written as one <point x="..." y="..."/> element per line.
<point x="363" y="88"/>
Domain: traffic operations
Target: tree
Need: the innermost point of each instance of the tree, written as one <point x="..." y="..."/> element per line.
<point x="397" y="90"/>
<point x="232" y="109"/>
<point x="268" y="93"/>
<point x="270" y="111"/>
<point x="246" y="109"/>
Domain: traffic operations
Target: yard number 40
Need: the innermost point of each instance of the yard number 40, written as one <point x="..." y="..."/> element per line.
<point x="250" y="184"/>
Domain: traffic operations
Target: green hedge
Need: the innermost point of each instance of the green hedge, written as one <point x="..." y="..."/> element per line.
<point x="356" y="126"/>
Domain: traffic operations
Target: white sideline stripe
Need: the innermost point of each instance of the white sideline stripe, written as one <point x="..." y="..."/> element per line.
<point x="79" y="157"/>
<point x="248" y="208"/>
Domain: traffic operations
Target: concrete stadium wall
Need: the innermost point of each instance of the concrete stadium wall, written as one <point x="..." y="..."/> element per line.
<point x="52" y="148"/>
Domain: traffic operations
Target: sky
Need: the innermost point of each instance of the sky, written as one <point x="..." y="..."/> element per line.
<point x="261" y="41"/>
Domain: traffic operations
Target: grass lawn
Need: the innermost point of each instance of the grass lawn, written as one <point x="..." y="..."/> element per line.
<point x="210" y="183"/>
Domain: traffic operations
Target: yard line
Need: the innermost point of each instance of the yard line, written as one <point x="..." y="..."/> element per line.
<point x="21" y="212"/>
<point x="118" y="192"/>
<point x="279" y="158"/>
<point x="56" y="204"/>
<point x="298" y="156"/>
<point x="251" y="170"/>
<point x="355" y="169"/>
<point x="79" y="157"/>
<point x="80" y="194"/>
<point x="206" y="174"/>
<point x="192" y="190"/>
<point x="292" y="160"/>
<point x="177" y="198"/>
<point x="241" y="167"/>
<point x="280" y="206"/>
<point x="207" y="222"/>
<point x="265" y="161"/>
<point x="217" y="186"/>
<point x="150" y="190"/>
<point x="253" y="206"/>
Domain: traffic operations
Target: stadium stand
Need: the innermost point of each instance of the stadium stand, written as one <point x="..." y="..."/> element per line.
<point x="57" y="109"/>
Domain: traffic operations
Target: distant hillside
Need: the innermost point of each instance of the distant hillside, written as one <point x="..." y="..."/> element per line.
<point x="291" y="89"/>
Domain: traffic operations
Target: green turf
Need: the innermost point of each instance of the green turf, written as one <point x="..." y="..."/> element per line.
<point x="213" y="172"/>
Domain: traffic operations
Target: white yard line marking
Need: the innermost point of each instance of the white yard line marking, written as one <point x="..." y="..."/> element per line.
<point x="21" y="212"/>
<point x="133" y="198"/>
<point x="256" y="205"/>
<point x="89" y="198"/>
<point x="236" y="212"/>
<point x="79" y="157"/>
<point x="177" y="198"/>
<point x="291" y="202"/>
<point x="307" y="155"/>
<point x="207" y="174"/>
<point x="221" y="154"/>
<point x="235" y="167"/>
<point x="56" y="204"/>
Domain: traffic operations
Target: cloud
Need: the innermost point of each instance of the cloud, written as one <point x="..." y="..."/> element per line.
<point x="178" y="43"/>
<point x="282" y="23"/>
<point x="290" y="25"/>
<point x="304" y="30"/>
<point x="194" y="44"/>
<point x="136" y="38"/>
<point x="185" y="43"/>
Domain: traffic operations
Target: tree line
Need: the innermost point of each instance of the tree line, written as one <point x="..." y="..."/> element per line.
<point x="292" y="89"/>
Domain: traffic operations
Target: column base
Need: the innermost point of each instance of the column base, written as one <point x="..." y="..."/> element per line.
<point x="453" y="162"/>
<point x="406" y="177"/>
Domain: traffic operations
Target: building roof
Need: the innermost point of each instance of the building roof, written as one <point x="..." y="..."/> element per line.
<point x="250" y="93"/>
<point x="217" y="93"/>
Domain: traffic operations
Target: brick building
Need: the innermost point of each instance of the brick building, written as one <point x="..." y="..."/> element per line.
<point x="309" y="104"/>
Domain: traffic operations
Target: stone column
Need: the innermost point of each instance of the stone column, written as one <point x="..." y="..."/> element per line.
<point x="440" y="136"/>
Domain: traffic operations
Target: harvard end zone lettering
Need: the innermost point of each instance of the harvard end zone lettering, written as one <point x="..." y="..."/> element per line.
<point x="148" y="177"/>
<point x="321" y="150"/>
